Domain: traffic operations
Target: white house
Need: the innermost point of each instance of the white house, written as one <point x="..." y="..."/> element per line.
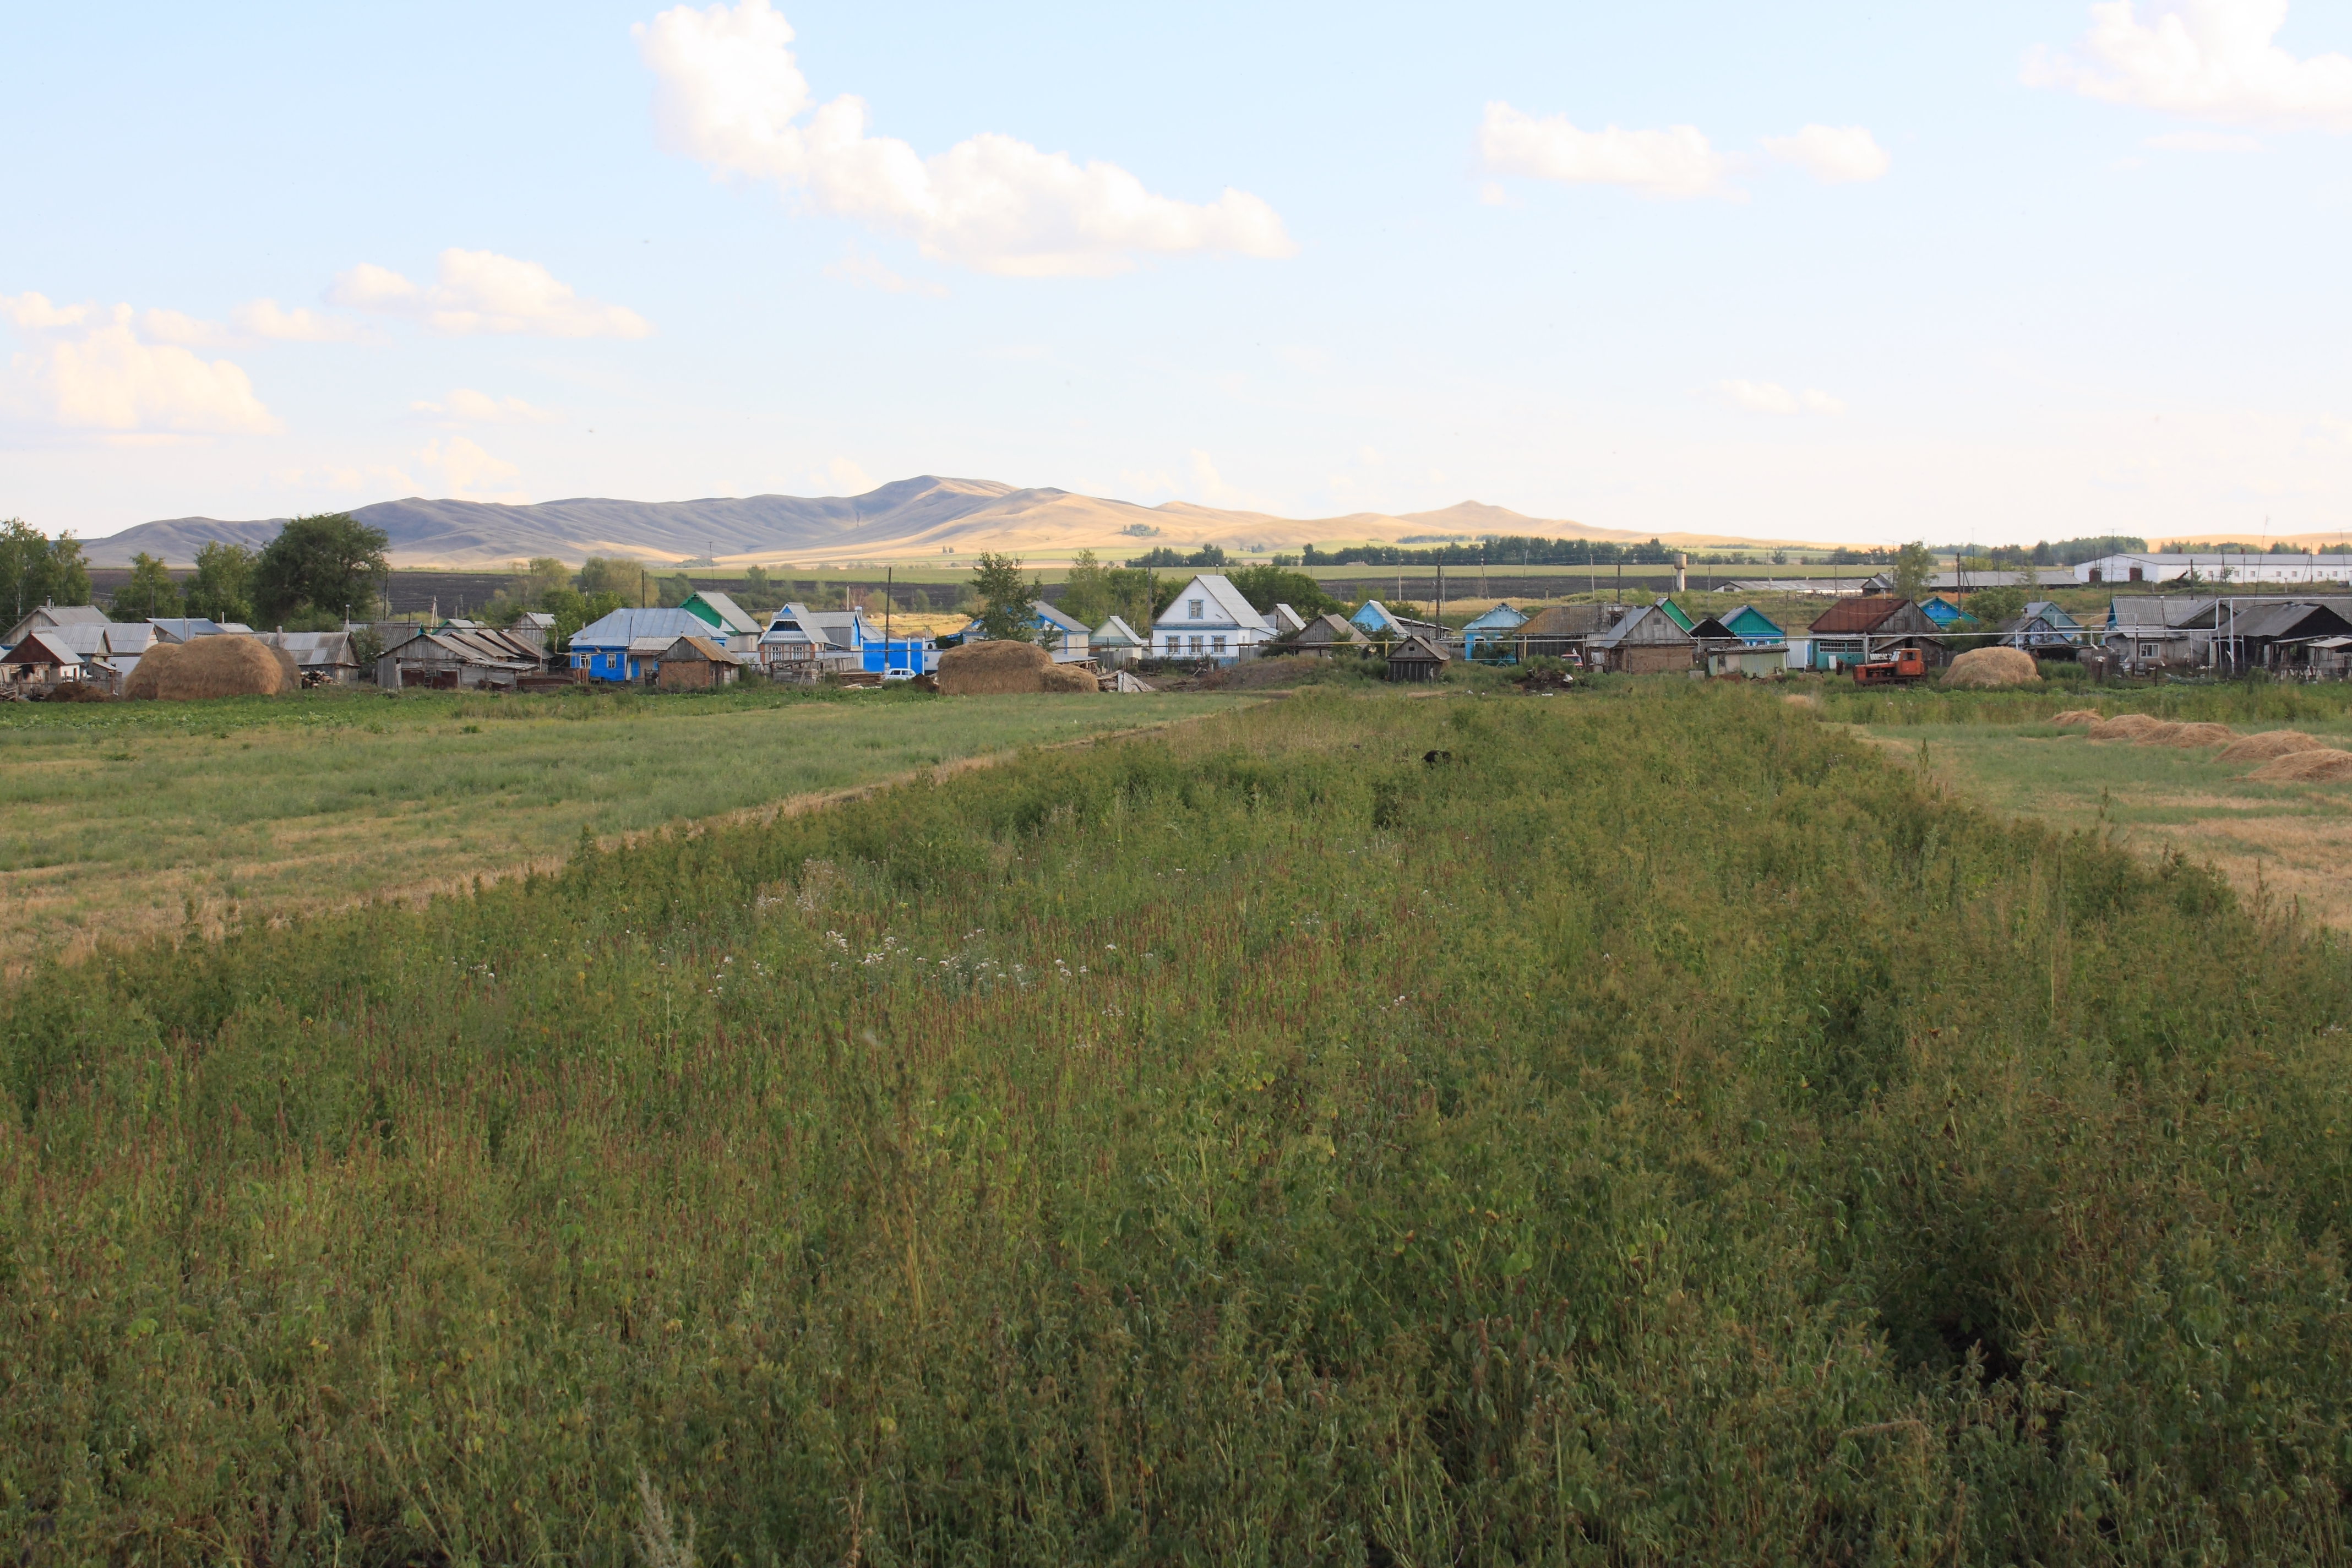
<point x="1211" y="620"/>
<point x="1063" y="636"/>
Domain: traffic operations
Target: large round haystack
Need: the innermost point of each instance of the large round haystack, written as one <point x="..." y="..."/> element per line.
<point x="2124" y="727"/>
<point x="213" y="666"/>
<point x="2268" y="745"/>
<point x="2188" y="737"/>
<point x="1987" y="668"/>
<point x="2076" y="716"/>
<point x="2323" y="766"/>
<point x="1005" y="668"/>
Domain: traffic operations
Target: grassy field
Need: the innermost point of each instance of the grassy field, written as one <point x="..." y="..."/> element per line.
<point x="1641" y="1127"/>
<point x="118" y="821"/>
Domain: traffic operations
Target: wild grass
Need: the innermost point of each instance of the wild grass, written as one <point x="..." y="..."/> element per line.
<point x="1656" y="1128"/>
<point x="2257" y="703"/>
<point x="118" y="821"/>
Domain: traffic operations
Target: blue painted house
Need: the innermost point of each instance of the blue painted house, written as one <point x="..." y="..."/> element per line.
<point x="1494" y="630"/>
<point x="628" y="644"/>
<point x="1752" y="625"/>
<point x="1944" y="613"/>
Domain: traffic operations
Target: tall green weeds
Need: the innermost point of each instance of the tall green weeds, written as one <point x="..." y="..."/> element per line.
<point x="1634" y="1129"/>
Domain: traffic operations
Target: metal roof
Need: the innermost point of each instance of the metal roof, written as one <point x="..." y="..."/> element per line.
<point x="627" y="626"/>
<point x="733" y="617"/>
<point x="1056" y="619"/>
<point x="1115" y="633"/>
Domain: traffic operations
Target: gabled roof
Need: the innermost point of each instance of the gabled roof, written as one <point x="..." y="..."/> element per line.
<point x="2159" y="610"/>
<point x="703" y="648"/>
<point x="1648" y="624"/>
<point x="1282" y="619"/>
<point x="1676" y="614"/>
<point x="837" y="629"/>
<point x="1327" y="629"/>
<point x="1048" y="616"/>
<point x="2050" y="613"/>
<point x="1864" y="612"/>
<point x="725" y="613"/>
<point x="43" y="647"/>
<point x="182" y="628"/>
<point x="1219" y="590"/>
<point x="1417" y="650"/>
<point x="315" y="648"/>
<point x="1712" y="629"/>
<point x="1114" y="633"/>
<point x="1566" y="621"/>
<point x="1747" y="621"/>
<point x="1501" y="619"/>
<point x="627" y="626"/>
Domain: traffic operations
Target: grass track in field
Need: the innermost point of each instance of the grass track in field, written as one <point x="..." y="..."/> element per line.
<point x="114" y="818"/>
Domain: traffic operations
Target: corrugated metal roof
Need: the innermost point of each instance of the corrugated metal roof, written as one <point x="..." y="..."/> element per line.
<point x="1861" y="613"/>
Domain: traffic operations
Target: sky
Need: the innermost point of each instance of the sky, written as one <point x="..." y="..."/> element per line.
<point x="1847" y="272"/>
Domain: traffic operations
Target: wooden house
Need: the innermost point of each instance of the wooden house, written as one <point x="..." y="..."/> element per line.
<point x="1751" y="625"/>
<point x="2042" y="627"/>
<point x="697" y="664"/>
<point x="1560" y="631"/>
<point x="628" y="645"/>
<point x="325" y="658"/>
<point x="1416" y="657"/>
<point x="1646" y="642"/>
<point x="1871" y="626"/>
<point x="1211" y="619"/>
<point x="1115" y="643"/>
<point x="1492" y="629"/>
<point x="1324" y="635"/>
<point x="730" y="623"/>
<point x="1676" y="614"/>
<point x="443" y="659"/>
<point x="47" y="617"/>
<point x="1063" y="636"/>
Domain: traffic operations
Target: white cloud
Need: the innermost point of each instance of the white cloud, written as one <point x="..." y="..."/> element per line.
<point x="2203" y="141"/>
<point x="268" y="319"/>
<point x="465" y="405"/>
<point x="730" y="95"/>
<point x="866" y="270"/>
<point x="482" y="291"/>
<point x="848" y="479"/>
<point x="107" y="378"/>
<point x="1836" y="154"/>
<point x="469" y="472"/>
<point x="1769" y="397"/>
<point x="2214" y="59"/>
<point x="172" y="327"/>
<point x="1675" y="161"/>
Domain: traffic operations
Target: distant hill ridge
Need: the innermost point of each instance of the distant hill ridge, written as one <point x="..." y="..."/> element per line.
<point x="912" y="520"/>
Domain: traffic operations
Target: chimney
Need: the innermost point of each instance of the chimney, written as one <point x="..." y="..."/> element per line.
<point x="1681" y="573"/>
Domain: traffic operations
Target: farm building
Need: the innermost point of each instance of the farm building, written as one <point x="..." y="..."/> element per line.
<point x="1853" y="631"/>
<point x="1325" y="633"/>
<point x="445" y="659"/>
<point x="1648" y="641"/>
<point x="736" y="627"/>
<point x="1284" y="620"/>
<point x="2156" y="629"/>
<point x="44" y="656"/>
<point x="1063" y="636"/>
<point x="1415" y="657"/>
<point x="2210" y="569"/>
<point x="46" y="618"/>
<point x="1116" y="644"/>
<point x="2254" y="634"/>
<point x="697" y="664"/>
<point x="1210" y="619"/>
<point x="323" y="657"/>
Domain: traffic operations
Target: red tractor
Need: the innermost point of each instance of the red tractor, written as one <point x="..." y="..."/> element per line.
<point x="1899" y="667"/>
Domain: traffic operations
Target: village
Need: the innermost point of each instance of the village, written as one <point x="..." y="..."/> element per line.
<point x="2163" y="615"/>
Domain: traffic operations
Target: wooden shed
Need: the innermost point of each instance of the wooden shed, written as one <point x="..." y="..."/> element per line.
<point x="1326" y="632"/>
<point x="697" y="664"/>
<point x="1416" y="658"/>
<point x="1647" y="642"/>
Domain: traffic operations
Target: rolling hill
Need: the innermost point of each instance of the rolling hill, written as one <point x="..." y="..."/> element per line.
<point x="919" y="519"/>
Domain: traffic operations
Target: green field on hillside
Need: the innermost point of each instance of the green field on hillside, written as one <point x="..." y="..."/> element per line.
<point x="121" y="820"/>
<point x="1641" y="1127"/>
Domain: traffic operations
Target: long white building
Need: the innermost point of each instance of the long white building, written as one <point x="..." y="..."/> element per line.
<point x="2216" y="570"/>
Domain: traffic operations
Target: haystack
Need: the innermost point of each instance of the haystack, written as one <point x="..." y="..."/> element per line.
<point x="2323" y="765"/>
<point x="1988" y="669"/>
<point x="2268" y="745"/>
<point x="2188" y="737"/>
<point x="1005" y="668"/>
<point x="2076" y="716"/>
<point x="2124" y="727"/>
<point x="213" y="666"/>
<point x="2160" y="733"/>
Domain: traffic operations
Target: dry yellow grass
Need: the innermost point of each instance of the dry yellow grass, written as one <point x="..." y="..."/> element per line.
<point x="2269" y="743"/>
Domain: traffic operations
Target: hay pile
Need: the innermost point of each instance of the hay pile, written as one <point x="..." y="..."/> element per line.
<point x="2268" y="745"/>
<point x="2188" y="737"/>
<point x="2076" y="716"/>
<point x="1005" y="668"/>
<point x="213" y="666"/>
<point x="1990" y="668"/>
<point x="2323" y="766"/>
<point x="2125" y="727"/>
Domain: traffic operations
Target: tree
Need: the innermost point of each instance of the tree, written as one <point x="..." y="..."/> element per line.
<point x="761" y="592"/>
<point x="1005" y="598"/>
<point x="1992" y="607"/>
<point x="1265" y="586"/>
<point x="222" y="589"/>
<point x="1087" y="596"/>
<point x="35" y="569"/>
<point x="65" y="578"/>
<point x="326" y="563"/>
<point x="625" y="580"/>
<point x="673" y="589"/>
<point x="1914" y="565"/>
<point x="151" y="592"/>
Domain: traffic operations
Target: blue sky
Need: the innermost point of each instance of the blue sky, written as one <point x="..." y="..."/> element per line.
<point x="2037" y="270"/>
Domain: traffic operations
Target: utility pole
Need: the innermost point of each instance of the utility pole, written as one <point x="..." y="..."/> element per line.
<point x="889" y="578"/>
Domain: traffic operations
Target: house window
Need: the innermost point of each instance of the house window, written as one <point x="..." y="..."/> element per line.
<point x="1217" y="645"/>
<point x="1196" y="644"/>
<point x="1194" y="614"/>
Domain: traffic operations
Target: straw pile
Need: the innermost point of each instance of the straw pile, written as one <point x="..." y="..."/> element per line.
<point x="2270" y="744"/>
<point x="2323" y="766"/>
<point x="2125" y="727"/>
<point x="213" y="666"/>
<point x="1005" y="668"/>
<point x="2188" y="737"/>
<point x="1990" y="668"/>
<point x="2076" y="716"/>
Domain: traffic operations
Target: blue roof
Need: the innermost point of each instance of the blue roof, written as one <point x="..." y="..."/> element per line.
<point x="624" y="626"/>
<point x="1502" y="617"/>
<point x="1372" y="616"/>
<point x="1751" y="625"/>
<point x="1942" y="611"/>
